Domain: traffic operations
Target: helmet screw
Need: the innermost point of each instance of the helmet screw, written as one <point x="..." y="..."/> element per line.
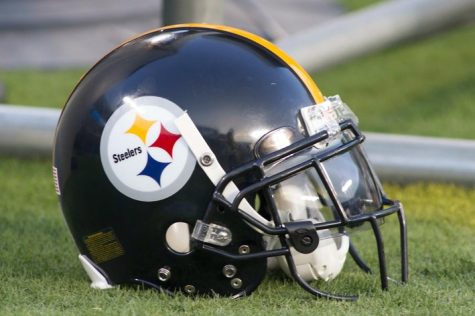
<point x="306" y="240"/>
<point x="236" y="283"/>
<point x="229" y="271"/>
<point x="164" y="274"/>
<point x="206" y="160"/>
<point x="244" y="249"/>
<point x="190" y="289"/>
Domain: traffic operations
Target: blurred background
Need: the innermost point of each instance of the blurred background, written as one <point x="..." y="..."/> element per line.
<point x="67" y="33"/>
<point x="415" y="77"/>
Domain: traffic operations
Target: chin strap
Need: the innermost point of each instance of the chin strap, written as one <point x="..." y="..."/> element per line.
<point x="98" y="279"/>
<point x="327" y="260"/>
<point x="306" y="286"/>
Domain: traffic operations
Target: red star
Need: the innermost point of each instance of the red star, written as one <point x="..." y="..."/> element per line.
<point x="166" y="140"/>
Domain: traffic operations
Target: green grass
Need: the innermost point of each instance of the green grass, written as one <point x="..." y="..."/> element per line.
<point x="46" y="88"/>
<point x="40" y="272"/>
<point x="425" y="87"/>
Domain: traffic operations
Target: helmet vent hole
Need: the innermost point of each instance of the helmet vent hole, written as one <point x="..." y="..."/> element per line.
<point x="178" y="237"/>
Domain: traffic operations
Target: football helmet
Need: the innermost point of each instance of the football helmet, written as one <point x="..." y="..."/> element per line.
<point x="192" y="157"/>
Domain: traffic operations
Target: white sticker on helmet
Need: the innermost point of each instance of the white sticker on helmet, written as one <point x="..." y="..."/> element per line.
<point x="142" y="151"/>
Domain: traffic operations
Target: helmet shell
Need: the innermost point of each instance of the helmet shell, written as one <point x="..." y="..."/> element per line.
<point x="235" y="87"/>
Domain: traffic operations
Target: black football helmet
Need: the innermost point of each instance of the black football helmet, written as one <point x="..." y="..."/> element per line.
<point x="193" y="156"/>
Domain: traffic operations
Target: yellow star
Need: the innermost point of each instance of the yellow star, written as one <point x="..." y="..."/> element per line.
<point x="140" y="127"/>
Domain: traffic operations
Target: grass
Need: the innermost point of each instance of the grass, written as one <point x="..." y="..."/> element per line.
<point x="46" y="88"/>
<point x="40" y="272"/>
<point x="425" y="87"/>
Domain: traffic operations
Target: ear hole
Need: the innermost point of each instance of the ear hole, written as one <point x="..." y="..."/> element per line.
<point x="178" y="237"/>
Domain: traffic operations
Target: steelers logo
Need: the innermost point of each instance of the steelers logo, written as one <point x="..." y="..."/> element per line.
<point x="142" y="151"/>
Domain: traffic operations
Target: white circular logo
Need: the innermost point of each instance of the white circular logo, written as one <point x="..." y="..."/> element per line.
<point x="142" y="151"/>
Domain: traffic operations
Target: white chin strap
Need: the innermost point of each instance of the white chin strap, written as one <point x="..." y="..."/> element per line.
<point x="324" y="263"/>
<point x="327" y="260"/>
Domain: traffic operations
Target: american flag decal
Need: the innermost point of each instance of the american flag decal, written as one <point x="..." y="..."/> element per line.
<point x="56" y="180"/>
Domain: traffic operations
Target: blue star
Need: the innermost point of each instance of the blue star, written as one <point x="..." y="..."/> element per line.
<point x="153" y="169"/>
